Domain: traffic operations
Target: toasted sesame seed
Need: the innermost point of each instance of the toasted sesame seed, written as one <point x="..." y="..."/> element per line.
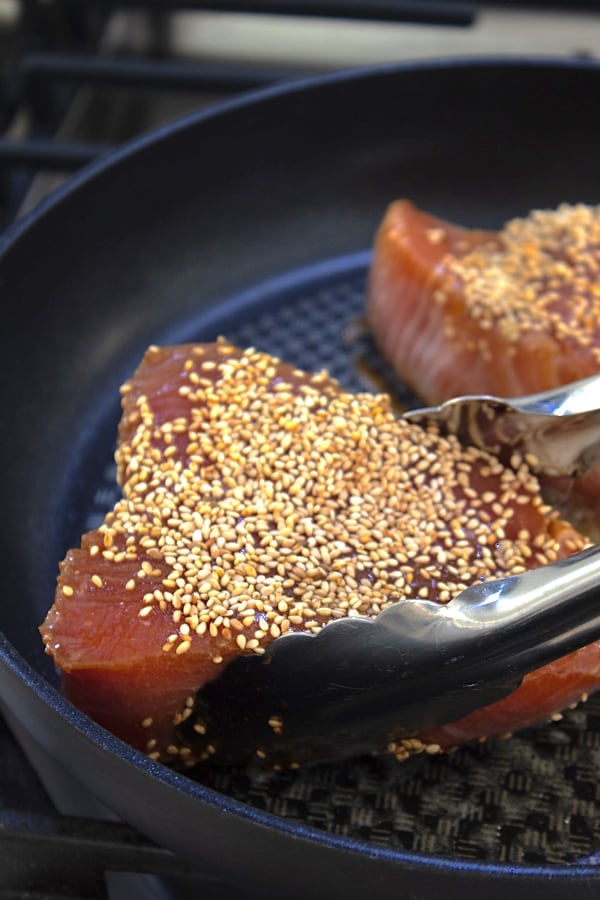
<point x="433" y="748"/>
<point x="518" y="282"/>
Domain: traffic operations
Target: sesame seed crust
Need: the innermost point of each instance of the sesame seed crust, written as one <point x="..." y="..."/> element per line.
<point x="289" y="502"/>
<point x="258" y="499"/>
<point x="539" y="274"/>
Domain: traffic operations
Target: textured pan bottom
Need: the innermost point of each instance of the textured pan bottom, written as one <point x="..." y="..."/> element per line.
<point x="534" y="799"/>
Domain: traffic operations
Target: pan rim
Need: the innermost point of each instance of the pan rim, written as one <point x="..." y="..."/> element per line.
<point x="26" y="673"/>
<point x="114" y="157"/>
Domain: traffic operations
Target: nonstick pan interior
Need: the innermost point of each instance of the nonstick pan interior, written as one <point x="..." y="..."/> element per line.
<point x="255" y="222"/>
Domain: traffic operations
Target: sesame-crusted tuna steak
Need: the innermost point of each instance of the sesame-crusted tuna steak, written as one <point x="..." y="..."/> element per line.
<point x="259" y="499"/>
<point x="461" y="311"/>
<point x="508" y="313"/>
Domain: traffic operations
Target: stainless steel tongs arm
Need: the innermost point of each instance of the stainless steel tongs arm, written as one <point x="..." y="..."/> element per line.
<point x="557" y="430"/>
<point x="532" y="619"/>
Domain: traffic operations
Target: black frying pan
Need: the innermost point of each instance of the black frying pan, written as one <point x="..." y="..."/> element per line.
<point x="254" y="220"/>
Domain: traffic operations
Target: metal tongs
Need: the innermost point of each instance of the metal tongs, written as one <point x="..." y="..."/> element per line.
<point x="557" y="431"/>
<point x="361" y="682"/>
